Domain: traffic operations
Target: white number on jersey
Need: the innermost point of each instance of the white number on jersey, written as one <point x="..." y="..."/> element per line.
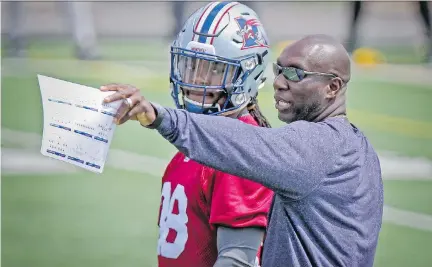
<point x="176" y="222"/>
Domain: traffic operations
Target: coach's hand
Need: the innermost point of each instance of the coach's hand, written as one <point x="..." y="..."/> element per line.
<point x="134" y="105"/>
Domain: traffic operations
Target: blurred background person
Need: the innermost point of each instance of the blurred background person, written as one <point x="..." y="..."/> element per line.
<point x="423" y="13"/>
<point x="178" y="8"/>
<point x="78" y="16"/>
<point x="81" y="23"/>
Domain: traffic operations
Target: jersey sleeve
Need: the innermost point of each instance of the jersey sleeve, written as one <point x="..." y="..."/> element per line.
<point x="237" y="202"/>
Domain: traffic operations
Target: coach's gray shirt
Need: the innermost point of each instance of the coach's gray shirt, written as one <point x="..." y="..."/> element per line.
<point x="326" y="176"/>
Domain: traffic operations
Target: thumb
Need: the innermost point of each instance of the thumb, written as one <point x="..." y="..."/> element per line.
<point x="146" y="118"/>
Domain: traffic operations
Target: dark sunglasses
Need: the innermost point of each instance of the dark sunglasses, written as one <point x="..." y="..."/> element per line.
<point x="296" y="74"/>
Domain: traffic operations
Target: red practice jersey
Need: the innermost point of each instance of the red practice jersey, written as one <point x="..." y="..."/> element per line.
<point x="195" y="199"/>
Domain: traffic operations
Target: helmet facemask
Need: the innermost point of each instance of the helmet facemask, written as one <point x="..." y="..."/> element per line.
<point x="202" y="72"/>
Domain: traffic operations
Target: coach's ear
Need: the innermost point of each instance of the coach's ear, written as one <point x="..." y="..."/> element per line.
<point x="334" y="87"/>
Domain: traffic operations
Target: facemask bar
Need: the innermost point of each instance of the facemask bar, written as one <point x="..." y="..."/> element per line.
<point x="232" y="82"/>
<point x="199" y="59"/>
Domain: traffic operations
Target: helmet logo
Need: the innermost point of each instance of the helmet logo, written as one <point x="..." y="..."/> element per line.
<point x="252" y="33"/>
<point x="198" y="49"/>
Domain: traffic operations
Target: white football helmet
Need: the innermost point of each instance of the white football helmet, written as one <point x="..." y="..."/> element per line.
<point x="223" y="47"/>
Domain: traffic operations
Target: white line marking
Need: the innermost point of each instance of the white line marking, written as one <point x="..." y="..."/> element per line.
<point x="396" y="73"/>
<point x="393" y="166"/>
<point x="28" y="160"/>
<point x="407" y="218"/>
<point x="125" y="160"/>
<point x="22" y="161"/>
<point x="13" y="161"/>
<point x="397" y="167"/>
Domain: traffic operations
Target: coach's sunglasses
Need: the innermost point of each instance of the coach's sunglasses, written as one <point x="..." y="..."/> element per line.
<point x="296" y="74"/>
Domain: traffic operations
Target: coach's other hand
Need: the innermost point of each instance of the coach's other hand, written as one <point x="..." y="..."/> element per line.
<point x="134" y="105"/>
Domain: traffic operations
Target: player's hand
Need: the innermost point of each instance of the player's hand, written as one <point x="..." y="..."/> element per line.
<point x="134" y="106"/>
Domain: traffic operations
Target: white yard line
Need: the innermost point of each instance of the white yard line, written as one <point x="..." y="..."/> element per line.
<point x="393" y="166"/>
<point x="29" y="146"/>
<point x="407" y="218"/>
<point x="397" y="167"/>
<point x="408" y="74"/>
<point x="27" y="160"/>
<point x="24" y="161"/>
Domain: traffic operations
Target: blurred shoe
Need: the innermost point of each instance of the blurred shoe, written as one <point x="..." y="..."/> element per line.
<point x="429" y="53"/>
<point x="13" y="52"/>
<point x="87" y="55"/>
<point x="15" y="47"/>
<point x="428" y="58"/>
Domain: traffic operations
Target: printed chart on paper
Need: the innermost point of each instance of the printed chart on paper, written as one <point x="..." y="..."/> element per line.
<point x="78" y="126"/>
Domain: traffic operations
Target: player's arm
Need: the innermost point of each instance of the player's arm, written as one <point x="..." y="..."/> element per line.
<point x="282" y="159"/>
<point x="238" y="247"/>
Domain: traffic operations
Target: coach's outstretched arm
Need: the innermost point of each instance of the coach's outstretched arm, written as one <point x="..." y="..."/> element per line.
<point x="287" y="160"/>
<point x="284" y="159"/>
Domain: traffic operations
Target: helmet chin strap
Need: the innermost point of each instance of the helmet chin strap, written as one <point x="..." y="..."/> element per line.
<point x="198" y="107"/>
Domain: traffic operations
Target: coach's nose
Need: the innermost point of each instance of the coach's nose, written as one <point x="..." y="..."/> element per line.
<point x="280" y="84"/>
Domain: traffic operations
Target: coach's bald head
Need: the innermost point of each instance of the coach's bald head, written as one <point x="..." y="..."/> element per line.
<point x="316" y="96"/>
<point x="324" y="54"/>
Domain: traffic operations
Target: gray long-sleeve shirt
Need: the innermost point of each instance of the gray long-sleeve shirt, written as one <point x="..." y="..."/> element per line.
<point x="326" y="176"/>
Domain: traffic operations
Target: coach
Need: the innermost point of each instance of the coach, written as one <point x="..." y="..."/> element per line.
<point x="328" y="204"/>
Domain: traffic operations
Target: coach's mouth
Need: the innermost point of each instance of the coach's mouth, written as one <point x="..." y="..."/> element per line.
<point x="282" y="104"/>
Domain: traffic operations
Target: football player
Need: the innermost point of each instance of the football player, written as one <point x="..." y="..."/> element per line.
<point x="209" y="218"/>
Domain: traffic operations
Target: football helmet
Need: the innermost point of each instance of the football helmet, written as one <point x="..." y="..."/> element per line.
<point x="224" y="48"/>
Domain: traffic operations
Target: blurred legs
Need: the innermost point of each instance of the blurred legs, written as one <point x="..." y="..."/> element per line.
<point x="15" y="37"/>
<point x="82" y="27"/>
<point x="425" y="15"/>
<point x="352" y="40"/>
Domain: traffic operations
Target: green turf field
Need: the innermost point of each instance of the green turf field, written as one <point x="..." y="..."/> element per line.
<point x="53" y="218"/>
